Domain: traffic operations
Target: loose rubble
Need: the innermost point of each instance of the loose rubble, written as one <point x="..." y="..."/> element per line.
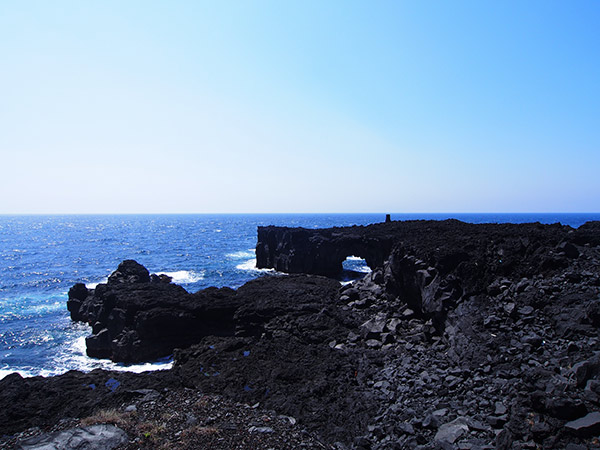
<point x="179" y="418"/>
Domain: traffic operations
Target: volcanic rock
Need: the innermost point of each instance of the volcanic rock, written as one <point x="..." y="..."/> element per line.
<point x="462" y="336"/>
<point x="97" y="437"/>
<point x="136" y="320"/>
<point x="129" y="271"/>
<point x="586" y="426"/>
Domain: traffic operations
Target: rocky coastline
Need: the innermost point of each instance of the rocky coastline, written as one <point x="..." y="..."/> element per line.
<point x="463" y="336"/>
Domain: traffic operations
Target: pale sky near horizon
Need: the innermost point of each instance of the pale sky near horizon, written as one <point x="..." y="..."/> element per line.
<point x="299" y="106"/>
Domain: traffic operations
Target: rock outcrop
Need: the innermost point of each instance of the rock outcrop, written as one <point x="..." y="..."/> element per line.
<point x="137" y="317"/>
<point x="43" y="402"/>
<point x="321" y="251"/>
<point x="431" y="265"/>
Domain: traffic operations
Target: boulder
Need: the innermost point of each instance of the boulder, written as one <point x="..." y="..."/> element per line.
<point x="450" y="432"/>
<point x="97" y="437"/>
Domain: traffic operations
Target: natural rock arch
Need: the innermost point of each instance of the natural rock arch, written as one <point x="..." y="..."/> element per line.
<point x="318" y="252"/>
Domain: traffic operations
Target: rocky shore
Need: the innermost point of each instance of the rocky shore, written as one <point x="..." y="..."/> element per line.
<point x="462" y="337"/>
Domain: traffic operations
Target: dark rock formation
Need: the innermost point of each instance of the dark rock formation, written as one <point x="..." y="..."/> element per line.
<point x="135" y="317"/>
<point x="129" y="271"/>
<point x="431" y="265"/>
<point x="40" y="402"/>
<point x="320" y="252"/>
<point x="462" y="336"/>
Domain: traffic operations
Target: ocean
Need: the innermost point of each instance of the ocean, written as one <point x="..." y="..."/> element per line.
<point x="41" y="257"/>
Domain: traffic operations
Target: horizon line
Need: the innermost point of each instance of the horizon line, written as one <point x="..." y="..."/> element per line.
<point x="285" y="213"/>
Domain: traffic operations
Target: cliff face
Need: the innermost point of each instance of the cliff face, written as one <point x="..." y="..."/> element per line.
<point x="447" y="243"/>
<point x="430" y="265"/>
<point x="321" y="251"/>
<point x="137" y="317"/>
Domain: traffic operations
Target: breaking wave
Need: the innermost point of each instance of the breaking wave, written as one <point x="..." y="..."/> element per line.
<point x="244" y="254"/>
<point x="250" y="265"/>
<point x="184" y="276"/>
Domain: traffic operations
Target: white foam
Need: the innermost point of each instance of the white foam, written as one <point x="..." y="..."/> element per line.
<point x="162" y="364"/>
<point x="357" y="264"/>
<point x="23" y="373"/>
<point x="251" y="266"/>
<point x="184" y="276"/>
<point x="247" y="265"/>
<point x="74" y="357"/>
<point x="244" y="254"/>
<point x="94" y="285"/>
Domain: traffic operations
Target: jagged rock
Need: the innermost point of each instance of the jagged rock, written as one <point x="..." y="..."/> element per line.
<point x="568" y="249"/>
<point x="586" y="426"/>
<point x="572" y="446"/>
<point x="129" y="271"/>
<point x="565" y="408"/>
<point x="77" y="294"/>
<point x="450" y="432"/>
<point x="500" y="409"/>
<point x="374" y="327"/>
<point x="533" y="339"/>
<point x="135" y="319"/>
<point x="162" y="278"/>
<point x="255" y="429"/>
<point x="584" y="370"/>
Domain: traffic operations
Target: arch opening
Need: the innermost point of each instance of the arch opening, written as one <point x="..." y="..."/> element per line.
<point x="354" y="268"/>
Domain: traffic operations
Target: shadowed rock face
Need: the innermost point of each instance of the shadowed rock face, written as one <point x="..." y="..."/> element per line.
<point x="319" y="252"/>
<point x="446" y="244"/>
<point x="430" y="265"/>
<point x="137" y="317"/>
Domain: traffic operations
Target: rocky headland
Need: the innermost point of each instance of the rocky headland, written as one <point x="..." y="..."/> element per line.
<point x="463" y="336"/>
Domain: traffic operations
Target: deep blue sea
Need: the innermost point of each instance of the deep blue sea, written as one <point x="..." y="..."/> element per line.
<point x="41" y="257"/>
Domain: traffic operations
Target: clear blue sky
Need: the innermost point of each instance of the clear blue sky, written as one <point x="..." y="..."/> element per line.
<point x="299" y="106"/>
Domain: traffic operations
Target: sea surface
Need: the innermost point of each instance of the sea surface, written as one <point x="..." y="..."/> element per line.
<point x="41" y="257"/>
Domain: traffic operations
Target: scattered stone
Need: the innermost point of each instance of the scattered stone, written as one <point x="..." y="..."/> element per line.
<point x="450" y="432"/>
<point x="500" y="409"/>
<point x="431" y="421"/>
<point x="254" y="429"/>
<point x="374" y="327"/>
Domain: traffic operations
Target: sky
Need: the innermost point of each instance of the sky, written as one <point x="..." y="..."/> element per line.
<point x="299" y="106"/>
